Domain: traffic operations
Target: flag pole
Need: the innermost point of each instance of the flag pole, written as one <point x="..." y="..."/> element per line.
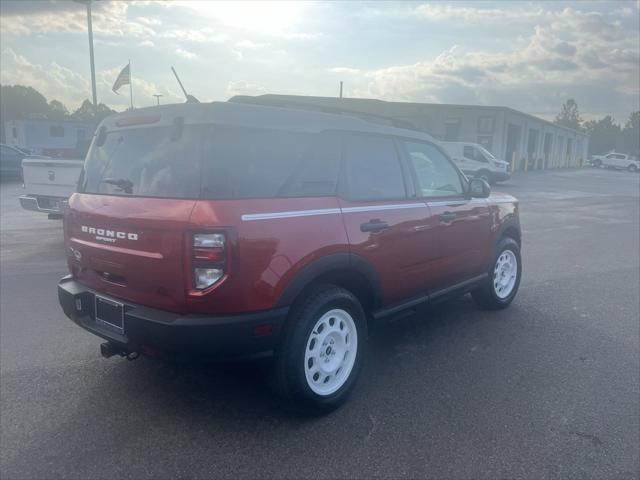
<point x="130" y="85"/>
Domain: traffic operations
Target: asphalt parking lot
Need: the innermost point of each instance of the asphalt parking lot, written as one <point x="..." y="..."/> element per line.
<point x="549" y="388"/>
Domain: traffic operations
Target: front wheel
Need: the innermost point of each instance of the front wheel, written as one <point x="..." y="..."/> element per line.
<point x="632" y="168"/>
<point x="484" y="175"/>
<point x="503" y="277"/>
<point x="321" y="356"/>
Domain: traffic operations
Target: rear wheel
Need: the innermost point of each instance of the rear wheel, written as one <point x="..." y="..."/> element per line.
<point x="503" y="279"/>
<point x="321" y="355"/>
<point x="597" y="163"/>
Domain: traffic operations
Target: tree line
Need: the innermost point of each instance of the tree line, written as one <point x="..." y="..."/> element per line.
<point x="605" y="134"/>
<point x="18" y="102"/>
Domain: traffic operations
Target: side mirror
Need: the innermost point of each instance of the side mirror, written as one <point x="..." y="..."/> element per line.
<point x="479" y="188"/>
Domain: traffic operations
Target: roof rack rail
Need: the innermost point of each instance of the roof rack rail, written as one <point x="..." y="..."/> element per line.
<point x="286" y="103"/>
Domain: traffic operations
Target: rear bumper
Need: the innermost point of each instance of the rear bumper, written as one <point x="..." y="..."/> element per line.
<point x="173" y="334"/>
<point x="43" y="204"/>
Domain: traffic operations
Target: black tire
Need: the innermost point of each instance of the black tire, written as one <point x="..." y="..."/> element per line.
<point x="632" y="168"/>
<point x="288" y="375"/>
<point x="485" y="295"/>
<point x="597" y="163"/>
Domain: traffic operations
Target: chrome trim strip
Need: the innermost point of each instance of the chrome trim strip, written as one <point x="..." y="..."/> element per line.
<point x="374" y="208"/>
<point x="455" y="203"/>
<point x="291" y="214"/>
<point x="327" y="211"/>
<point x="369" y="208"/>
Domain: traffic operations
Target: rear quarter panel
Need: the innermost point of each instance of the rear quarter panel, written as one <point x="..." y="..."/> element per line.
<point x="266" y="253"/>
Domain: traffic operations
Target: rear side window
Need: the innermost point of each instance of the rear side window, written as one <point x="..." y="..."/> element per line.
<point x="372" y="169"/>
<point x="263" y="163"/>
<point x="146" y="162"/>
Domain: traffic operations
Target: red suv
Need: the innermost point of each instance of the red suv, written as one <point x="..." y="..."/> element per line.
<point x="235" y="230"/>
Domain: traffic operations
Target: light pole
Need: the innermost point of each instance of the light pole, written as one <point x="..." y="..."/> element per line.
<point x="93" y="67"/>
<point x="157" y="95"/>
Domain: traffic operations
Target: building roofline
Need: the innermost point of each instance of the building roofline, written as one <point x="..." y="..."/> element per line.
<point x="419" y="104"/>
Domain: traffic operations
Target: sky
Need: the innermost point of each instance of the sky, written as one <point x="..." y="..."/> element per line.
<point x="530" y="56"/>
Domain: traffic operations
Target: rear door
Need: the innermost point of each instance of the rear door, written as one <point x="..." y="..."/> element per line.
<point x="386" y="224"/>
<point x="128" y="226"/>
<point x="462" y="224"/>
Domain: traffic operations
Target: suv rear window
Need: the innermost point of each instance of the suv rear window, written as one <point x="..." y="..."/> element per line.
<point x="212" y="162"/>
<point x="146" y="162"/>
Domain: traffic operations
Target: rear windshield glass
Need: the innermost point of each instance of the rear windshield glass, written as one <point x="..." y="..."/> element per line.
<point x="213" y="162"/>
<point x="146" y="162"/>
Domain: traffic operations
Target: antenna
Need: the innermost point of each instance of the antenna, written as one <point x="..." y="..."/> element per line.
<point x="190" y="98"/>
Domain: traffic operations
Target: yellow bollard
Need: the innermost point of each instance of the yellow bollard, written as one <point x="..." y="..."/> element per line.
<point x="526" y="162"/>
<point x="513" y="162"/>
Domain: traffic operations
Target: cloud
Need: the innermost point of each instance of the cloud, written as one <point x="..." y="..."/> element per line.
<point x="185" y="53"/>
<point x="60" y="83"/>
<point x="345" y="70"/>
<point x="109" y="19"/>
<point x="242" y="87"/>
<point x="249" y="45"/>
<point x="567" y="53"/>
<point x="53" y="80"/>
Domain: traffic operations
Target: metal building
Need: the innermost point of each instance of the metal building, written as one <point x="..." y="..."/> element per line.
<point x="528" y="142"/>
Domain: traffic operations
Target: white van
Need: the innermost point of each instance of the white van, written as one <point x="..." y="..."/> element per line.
<point x="475" y="161"/>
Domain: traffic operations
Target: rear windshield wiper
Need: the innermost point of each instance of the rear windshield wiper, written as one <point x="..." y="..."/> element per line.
<point x="121" y="183"/>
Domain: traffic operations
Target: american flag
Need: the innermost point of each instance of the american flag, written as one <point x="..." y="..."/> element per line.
<point x="123" y="79"/>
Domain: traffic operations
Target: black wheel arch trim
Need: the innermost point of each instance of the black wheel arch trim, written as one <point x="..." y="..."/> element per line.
<point x="510" y="222"/>
<point x="335" y="262"/>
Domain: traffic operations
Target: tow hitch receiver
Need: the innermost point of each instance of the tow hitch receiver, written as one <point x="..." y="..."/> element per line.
<point x="108" y="350"/>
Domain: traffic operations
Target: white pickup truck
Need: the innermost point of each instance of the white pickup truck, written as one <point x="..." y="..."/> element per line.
<point x="617" y="161"/>
<point x="49" y="183"/>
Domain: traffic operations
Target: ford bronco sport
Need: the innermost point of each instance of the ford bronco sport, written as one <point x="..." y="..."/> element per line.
<point x="235" y="229"/>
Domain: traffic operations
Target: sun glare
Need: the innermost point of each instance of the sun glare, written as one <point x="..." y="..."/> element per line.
<point x="270" y="18"/>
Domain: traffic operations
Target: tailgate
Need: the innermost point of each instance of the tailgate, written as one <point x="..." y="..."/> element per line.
<point x="130" y="247"/>
<point x="56" y="178"/>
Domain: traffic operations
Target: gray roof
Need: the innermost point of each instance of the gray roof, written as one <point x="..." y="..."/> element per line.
<point x="345" y="103"/>
<point x="256" y="116"/>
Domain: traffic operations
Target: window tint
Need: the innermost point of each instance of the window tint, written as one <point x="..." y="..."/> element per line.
<point x="262" y="163"/>
<point x="372" y="169"/>
<point x="436" y="176"/>
<point x="147" y="162"/>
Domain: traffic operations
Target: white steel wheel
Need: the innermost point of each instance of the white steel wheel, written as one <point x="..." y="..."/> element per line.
<point x="505" y="274"/>
<point x="330" y="353"/>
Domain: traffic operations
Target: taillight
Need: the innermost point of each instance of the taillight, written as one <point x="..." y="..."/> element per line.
<point x="209" y="258"/>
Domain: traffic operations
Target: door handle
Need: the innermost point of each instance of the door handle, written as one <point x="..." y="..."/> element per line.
<point x="373" y="226"/>
<point x="447" y="216"/>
